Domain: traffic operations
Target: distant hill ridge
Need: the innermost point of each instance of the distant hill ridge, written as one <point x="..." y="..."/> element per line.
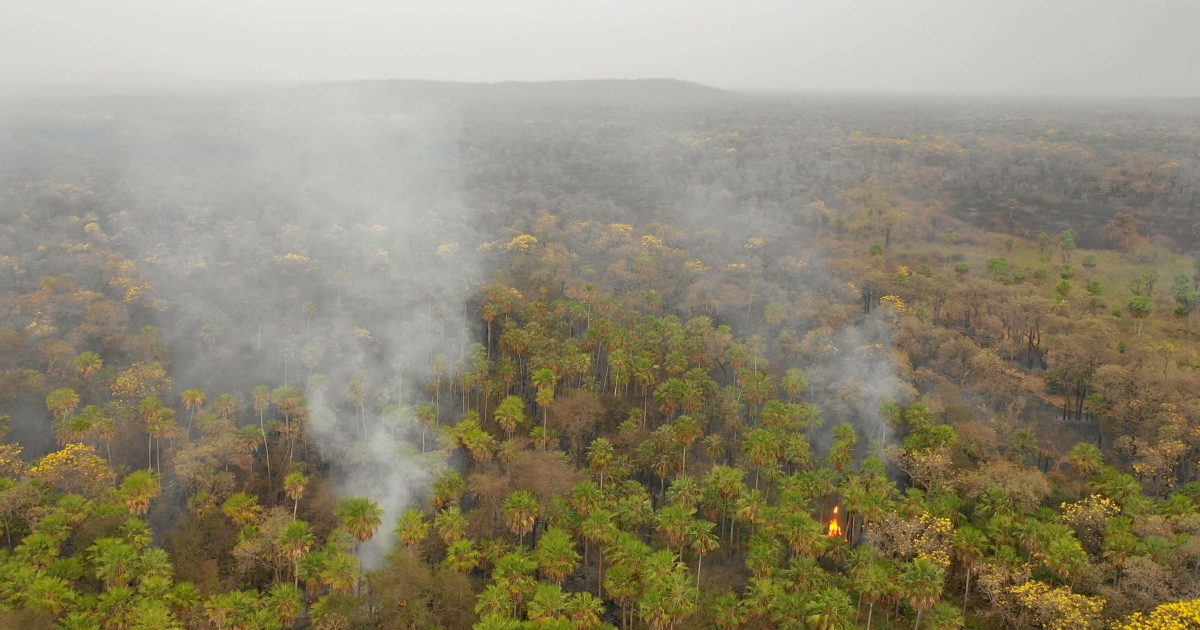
<point x="603" y="90"/>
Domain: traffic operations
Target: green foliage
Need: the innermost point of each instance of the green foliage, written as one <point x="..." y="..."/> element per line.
<point x="682" y="474"/>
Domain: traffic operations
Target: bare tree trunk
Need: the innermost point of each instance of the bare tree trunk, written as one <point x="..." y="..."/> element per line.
<point x="966" y="593"/>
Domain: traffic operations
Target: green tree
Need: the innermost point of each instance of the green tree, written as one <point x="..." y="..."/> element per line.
<point x="762" y="448"/>
<point x="294" y="485"/>
<point x="450" y="524"/>
<point x="114" y="561"/>
<point x="361" y="517"/>
<point x="828" y="609"/>
<point x="600" y="454"/>
<point x="521" y="513"/>
<point x="794" y="383"/>
<point x="62" y="402"/>
<point x="1066" y="242"/>
<point x="295" y="541"/>
<point x="544" y="380"/>
<point x="556" y="555"/>
<point x="873" y="580"/>
<point x="510" y="414"/>
<point x="922" y="581"/>
<point x="970" y="546"/>
<point x="242" y="508"/>
<point x="138" y="490"/>
<point x="703" y="542"/>
<point x="1085" y="459"/>
<point x="193" y="400"/>
<point x="1140" y="308"/>
<point x="462" y="556"/>
<point x="686" y="431"/>
<point x="286" y="603"/>
<point x="411" y="527"/>
<point x="668" y="597"/>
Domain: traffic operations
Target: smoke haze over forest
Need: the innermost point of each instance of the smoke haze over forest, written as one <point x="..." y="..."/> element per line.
<point x="368" y="315"/>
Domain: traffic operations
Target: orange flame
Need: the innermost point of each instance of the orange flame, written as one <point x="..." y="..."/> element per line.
<point x="835" y="528"/>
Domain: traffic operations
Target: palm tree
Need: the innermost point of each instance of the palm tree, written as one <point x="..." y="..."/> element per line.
<point x="226" y="405"/>
<point x="218" y="609"/>
<point x="872" y="579"/>
<point x="462" y="556"/>
<point x="286" y="603"/>
<point x="726" y="482"/>
<point x="686" y="431"/>
<point x="794" y="383"/>
<point x="62" y="402"/>
<point x="138" y="490"/>
<point x="521" y="513"/>
<point x="829" y="609"/>
<point x="803" y="534"/>
<point x="751" y="507"/>
<point x="493" y="601"/>
<point x="154" y="615"/>
<point x="337" y="572"/>
<point x="585" y="611"/>
<point x="970" y="545"/>
<point x="762" y="448"/>
<point x="151" y="409"/>
<point x="411" y="527"/>
<point x="356" y="392"/>
<point x="162" y="426"/>
<point x="88" y="364"/>
<point x="1140" y="308"/>
<point x="622" y="585"/>
<point x="729" y="612"/>
<point x="703" y="543"/>
<point x="544" y="380"/>
<point x="600" y="454"/>
<point x="668" y="597"/>
<point x="841" y="453"/>
<point x="599" y="527"/>
<point x="262" y="401"/>
<point x="105" y="427"/>
<point x="944" y="617"/>
<point x="510" y="414"/>
<point x="193" y="400"/>
<point x="556" y="554"/>
<point x="310" y="309"/>
<point x="451" y="524"/>
<point x="294" y="485"/>
<point x="295" y="541"/>
<point x="675" y="523"/>
<point x="1064" y="556"/>
<point x="922" y="582"/>
<point x="1086" y="459"/>
<point x="361" y="517"/>
<point x="114" y="561"/>
<point x="549" y="603"/>
<point x="73" y="429"/>
<point x="514" y="573"/>
<point x="685" y="492"/>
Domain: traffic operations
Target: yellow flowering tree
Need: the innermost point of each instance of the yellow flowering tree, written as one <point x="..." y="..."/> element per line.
<point x="76" y="469"/>
<point x="1173" y="616"/>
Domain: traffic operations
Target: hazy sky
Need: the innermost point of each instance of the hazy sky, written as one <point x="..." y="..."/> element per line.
<point x="1125" y="47"/>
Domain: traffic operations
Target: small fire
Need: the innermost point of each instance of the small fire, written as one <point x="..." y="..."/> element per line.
<point x="835" y="529"/>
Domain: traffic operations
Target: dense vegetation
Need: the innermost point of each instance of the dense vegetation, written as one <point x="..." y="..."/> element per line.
<point x="420" y="356"/>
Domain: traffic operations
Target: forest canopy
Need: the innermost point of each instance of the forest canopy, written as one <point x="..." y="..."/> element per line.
<point x="622" y="354"/>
